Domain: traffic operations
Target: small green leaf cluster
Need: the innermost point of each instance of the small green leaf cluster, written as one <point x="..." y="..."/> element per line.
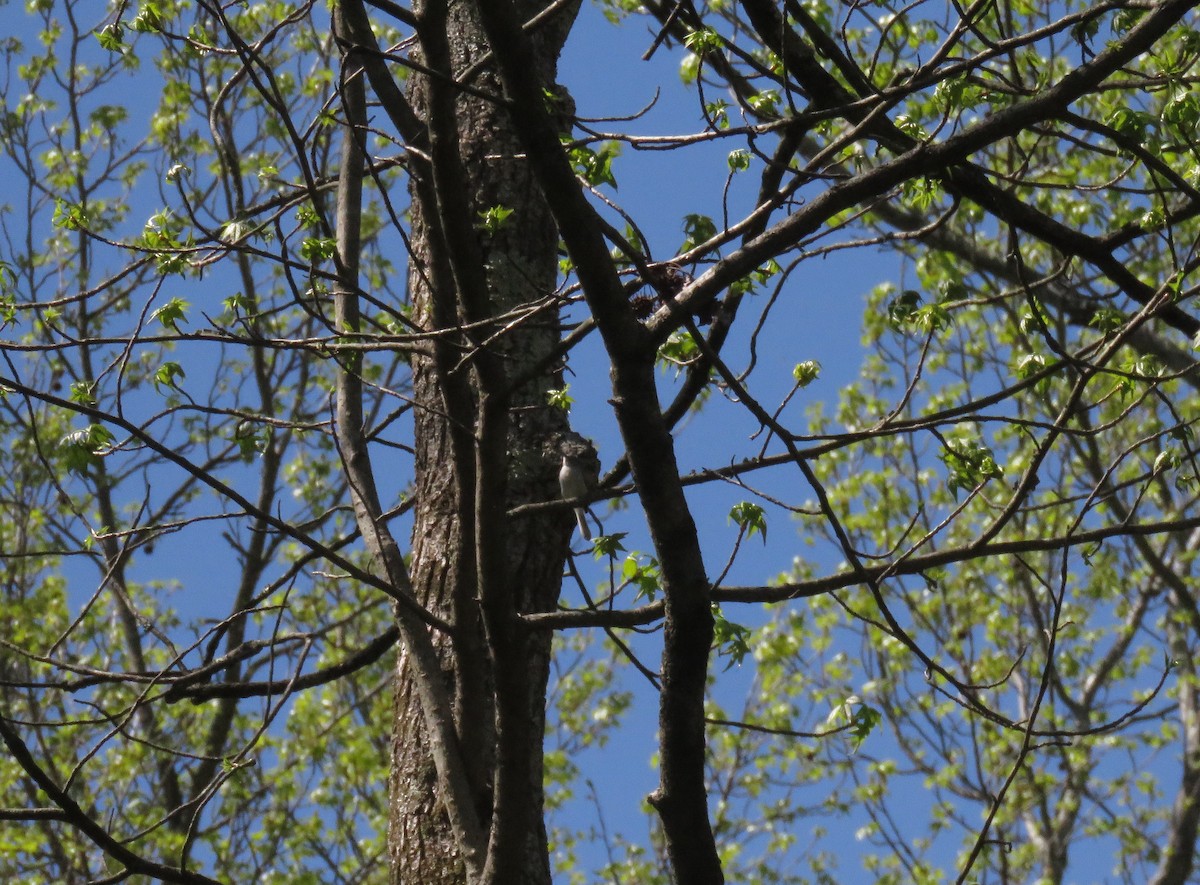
<point x="697" y="229"/>
<point x="493" y="219"/>
<point x="750" y="517"/>
<point x="560" y="398"/>
<point x="731" y="640"/>
<point x="594" y="165"/>
<point x="644" y="576"/>
<point x="171" y="314"/>
<point x="163" y="237"/>
<point x="757" y="278"/>
<point x="679" y="349"/>
<point x="84" y="448"/>
<point x="969" y="463"/>
<point x="806" y="372"/>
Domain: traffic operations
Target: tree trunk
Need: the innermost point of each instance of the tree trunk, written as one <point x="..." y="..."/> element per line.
<point x="518" y="265"/>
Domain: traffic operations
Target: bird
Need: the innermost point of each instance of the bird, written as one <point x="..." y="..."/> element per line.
<point x="573" y="482"/>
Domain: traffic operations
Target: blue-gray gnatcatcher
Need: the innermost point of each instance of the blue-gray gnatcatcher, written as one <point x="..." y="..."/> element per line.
<point x="573" y="482"/>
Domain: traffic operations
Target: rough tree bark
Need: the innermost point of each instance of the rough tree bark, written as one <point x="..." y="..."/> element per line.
<point x="486" y="441"/>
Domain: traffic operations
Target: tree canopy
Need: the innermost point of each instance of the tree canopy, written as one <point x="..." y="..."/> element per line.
<point x="303" y="305"/>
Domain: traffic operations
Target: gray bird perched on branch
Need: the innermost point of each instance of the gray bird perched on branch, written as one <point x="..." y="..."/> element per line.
<point x="573" y="481"/>
<point x="578" y="474"/>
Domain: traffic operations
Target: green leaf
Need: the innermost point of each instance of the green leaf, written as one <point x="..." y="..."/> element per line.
<point x="82" y="392"/>
<point x="739" y="160"/>
<point x="1130" y="122"/>
<point x="171" y="314"/>
<point x="903" y="308"/>
<point x="806" y="372"/>
<point x="237" y="304"/>
<point x="970" y="463"/>
<point x="646" y="578"/>
<point x="1030" y="364"/>
<point x="679" y="348"/>
<point x="863" y="723"/>
<point x="1107" y="319"/>
<point x="861" y="718"/>
<point x="83" y="448"/>
<point x="307" y="216"/>
<point x="608" y="545"/>
<point x="1168" y="459"/>
<point x="922" y="193"/>
<point x="595" y="166"/>
<point x="765" y="102"/>
<point x="689" y="68"/>
<point x="161" y="236"/>
<point x="1126" y="19"/>
<point x="560" y="398"/>
<point x="698" y="228"/>
<point x="68" y="216"/>
<point x="112" y="37"/>
<point x="317" y="249"/>
<point x="252" y="438"/>
<point x="149" y="18"/>
<point x="730" y="639"/>
<point x="703" y="41"/>
<point x="495" y="218"/>
<point x="718" y="112"/>
<point x="751" y="517"/>
<point x="166" y="374"/>
<point x="931" y="318"/>
<point x="911" y="128"/>
<point x="1084" y="31"/>
<point x="108" y="116"/>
